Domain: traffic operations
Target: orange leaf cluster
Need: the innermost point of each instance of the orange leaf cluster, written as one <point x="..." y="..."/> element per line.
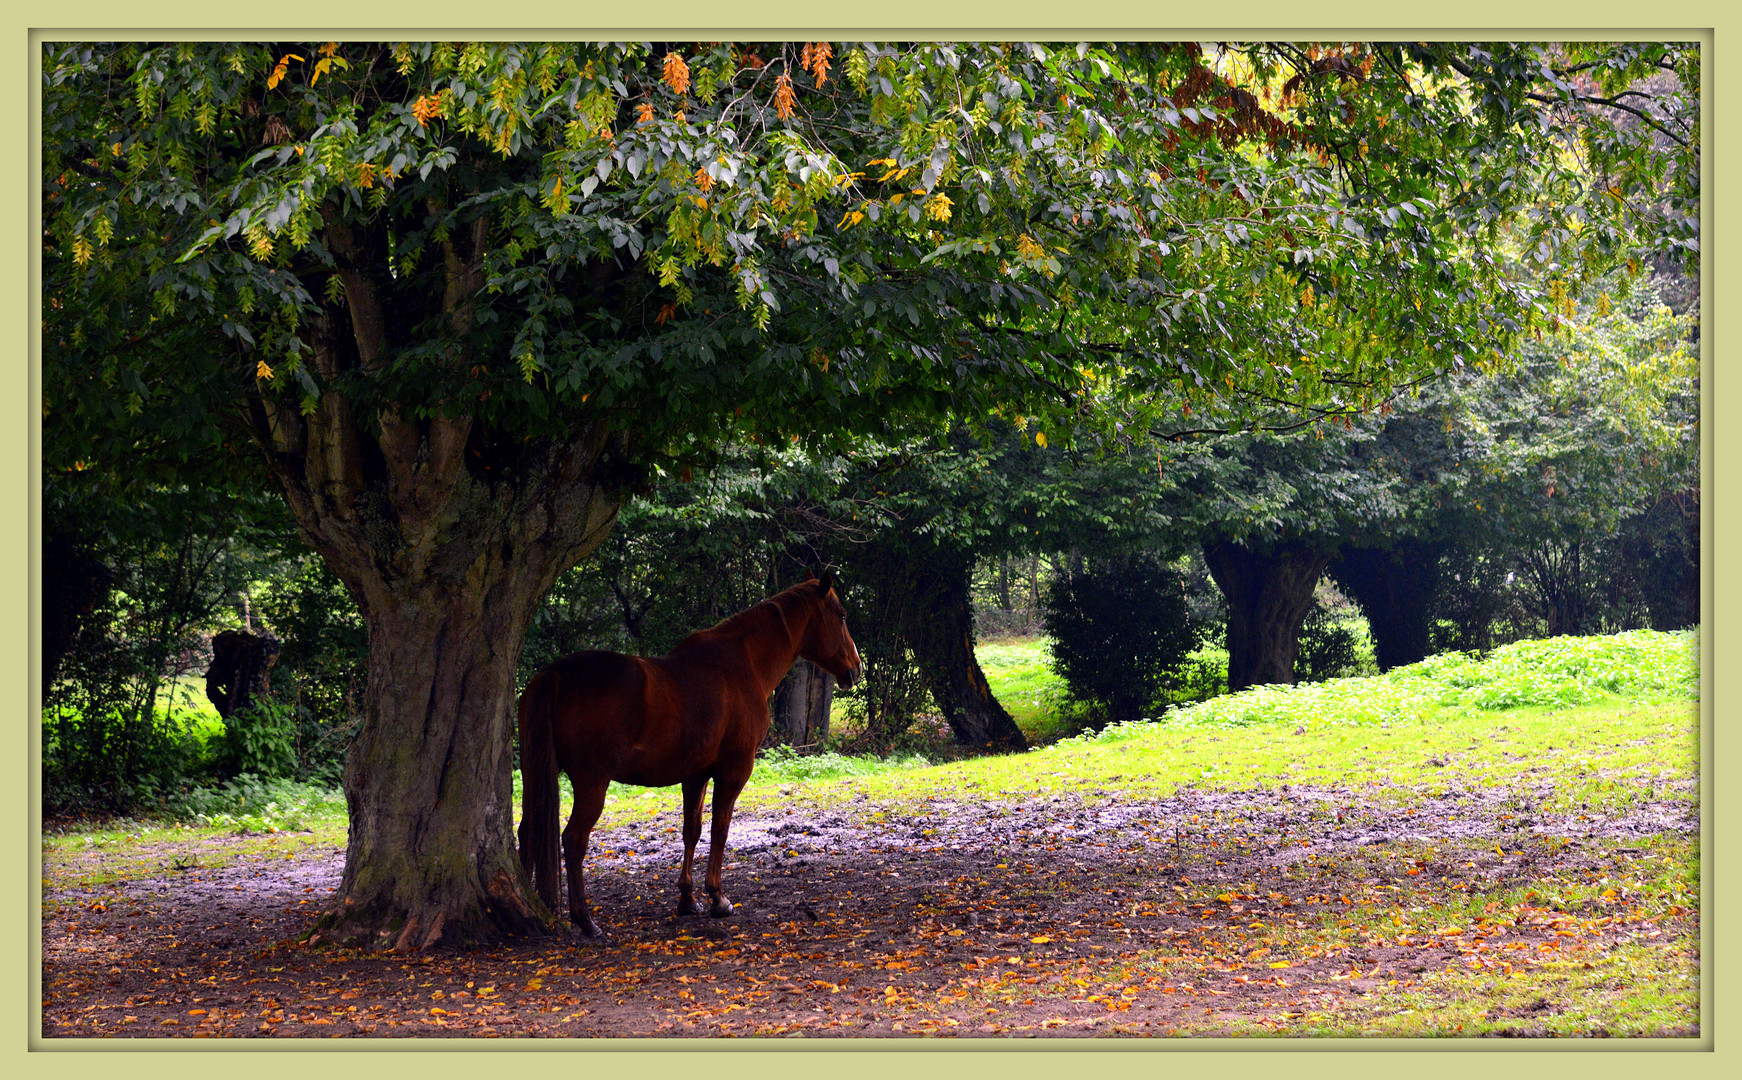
<point x="783" y="97"/>
<point x="677" y="73"/>
<point x="814" y="58"/>
<point x="277" y="75"/>
<point x="644" y="112"/>
<point x="426" y="108"/>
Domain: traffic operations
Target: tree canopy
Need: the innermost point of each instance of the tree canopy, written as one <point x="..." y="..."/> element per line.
<point x="823" y="237"/>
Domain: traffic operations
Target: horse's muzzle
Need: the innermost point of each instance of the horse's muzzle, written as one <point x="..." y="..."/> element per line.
<point x="846" y="680"/>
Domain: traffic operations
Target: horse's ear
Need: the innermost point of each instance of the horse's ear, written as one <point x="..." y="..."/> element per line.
<point x="825" y="583"/>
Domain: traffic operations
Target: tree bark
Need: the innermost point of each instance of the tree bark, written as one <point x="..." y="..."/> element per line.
<point x="448" y="536"/>
<point x="923" y="591"/>
<point x="448" y="570"/>
<point x="1395" y="588"/>
<point x="73" y="583"/>
<point x="1268" y="593"/>
<point x="940" y="631"/>
<point x="801" y="704"/>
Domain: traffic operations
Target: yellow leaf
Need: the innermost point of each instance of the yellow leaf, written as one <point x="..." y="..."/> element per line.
<point x="277" y="75"/>
<point x="1040" y="438"/>
<point x="261" y="371"/>
<point x="426" y="108"/>
<point x="1280" y="964"/>
<point x="1041" y="940"/>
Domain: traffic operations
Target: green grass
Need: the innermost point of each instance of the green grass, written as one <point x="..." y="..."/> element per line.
<point x="1596" y="757"/>
<point x="1608" y="720"/>
<point x="1020" y="675"/>
<point x="1641" y="666"/>
<point x="1597" y="723"/>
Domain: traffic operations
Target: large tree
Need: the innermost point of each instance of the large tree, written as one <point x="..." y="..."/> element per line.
<point x="457" y="296"/>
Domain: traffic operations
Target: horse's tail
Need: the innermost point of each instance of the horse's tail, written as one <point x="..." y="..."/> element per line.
<point x="540" y="839"/>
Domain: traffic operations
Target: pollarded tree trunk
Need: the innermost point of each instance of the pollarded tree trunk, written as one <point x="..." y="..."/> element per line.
<point x="448" y="569"/>
<point x="1394" y="587"/>
<point x="448" y="537"/>
<point x="1268" y="593"/>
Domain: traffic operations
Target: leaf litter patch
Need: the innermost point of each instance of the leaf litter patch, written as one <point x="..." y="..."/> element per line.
<point x="1206" y="913"/>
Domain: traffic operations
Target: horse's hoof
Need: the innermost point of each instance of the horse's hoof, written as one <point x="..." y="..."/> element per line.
<point x="688" y="906"/>
<point x="720" y="908"/>
<point x="586" y="927"/>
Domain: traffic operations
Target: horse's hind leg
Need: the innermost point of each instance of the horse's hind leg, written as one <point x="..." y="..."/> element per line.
<point x="589" y="802"/>
<point x="693" y="790"/>
<point x="725" y="796"/>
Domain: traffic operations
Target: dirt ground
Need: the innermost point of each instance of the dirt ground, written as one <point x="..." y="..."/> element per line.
<point x="1059" y="917"/>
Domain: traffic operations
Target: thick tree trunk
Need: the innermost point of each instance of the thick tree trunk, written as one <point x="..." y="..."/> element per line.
<point x="801" y="705"/>
<point x="941" y="633"/>
<point x="1395" y="587"/>
<point x="72" y="584"/>
<point x="428" y="783"/>
<point x="448" y="570"/>
<point x="448" y="535"/>
<point x="923" y="591"/>
<point x="1268" y="594"/>
<point x="241" y="671"/>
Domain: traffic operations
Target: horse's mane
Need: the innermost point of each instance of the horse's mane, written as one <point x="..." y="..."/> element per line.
<point x="740" y="622"/>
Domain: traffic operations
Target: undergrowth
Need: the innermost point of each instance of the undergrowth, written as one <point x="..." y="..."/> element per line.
<point x="1640" y="666"/>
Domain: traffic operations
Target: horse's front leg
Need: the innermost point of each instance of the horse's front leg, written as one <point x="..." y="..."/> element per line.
<point x="589" y="802"/>
<point x="693" y="790"/>
<point x="725" y="796"/>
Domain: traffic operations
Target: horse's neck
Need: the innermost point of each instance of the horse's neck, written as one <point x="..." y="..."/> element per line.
<point x="784" y="636"/>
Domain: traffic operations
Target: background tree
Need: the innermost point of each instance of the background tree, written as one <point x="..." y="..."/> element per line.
<point x="459" y="297"/>
<point x="1571" y="452"/>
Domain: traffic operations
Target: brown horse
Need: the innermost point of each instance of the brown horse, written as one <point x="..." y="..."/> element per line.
<point x="696" y="714"/>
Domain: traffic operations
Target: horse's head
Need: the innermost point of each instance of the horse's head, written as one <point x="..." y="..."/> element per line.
<point x="827" y="644"/>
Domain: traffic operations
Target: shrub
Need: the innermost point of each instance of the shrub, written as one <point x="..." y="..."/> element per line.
<point x="1121" y="633"/>
<point x="261" y="740"/>
<point x="317" y="684"/>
